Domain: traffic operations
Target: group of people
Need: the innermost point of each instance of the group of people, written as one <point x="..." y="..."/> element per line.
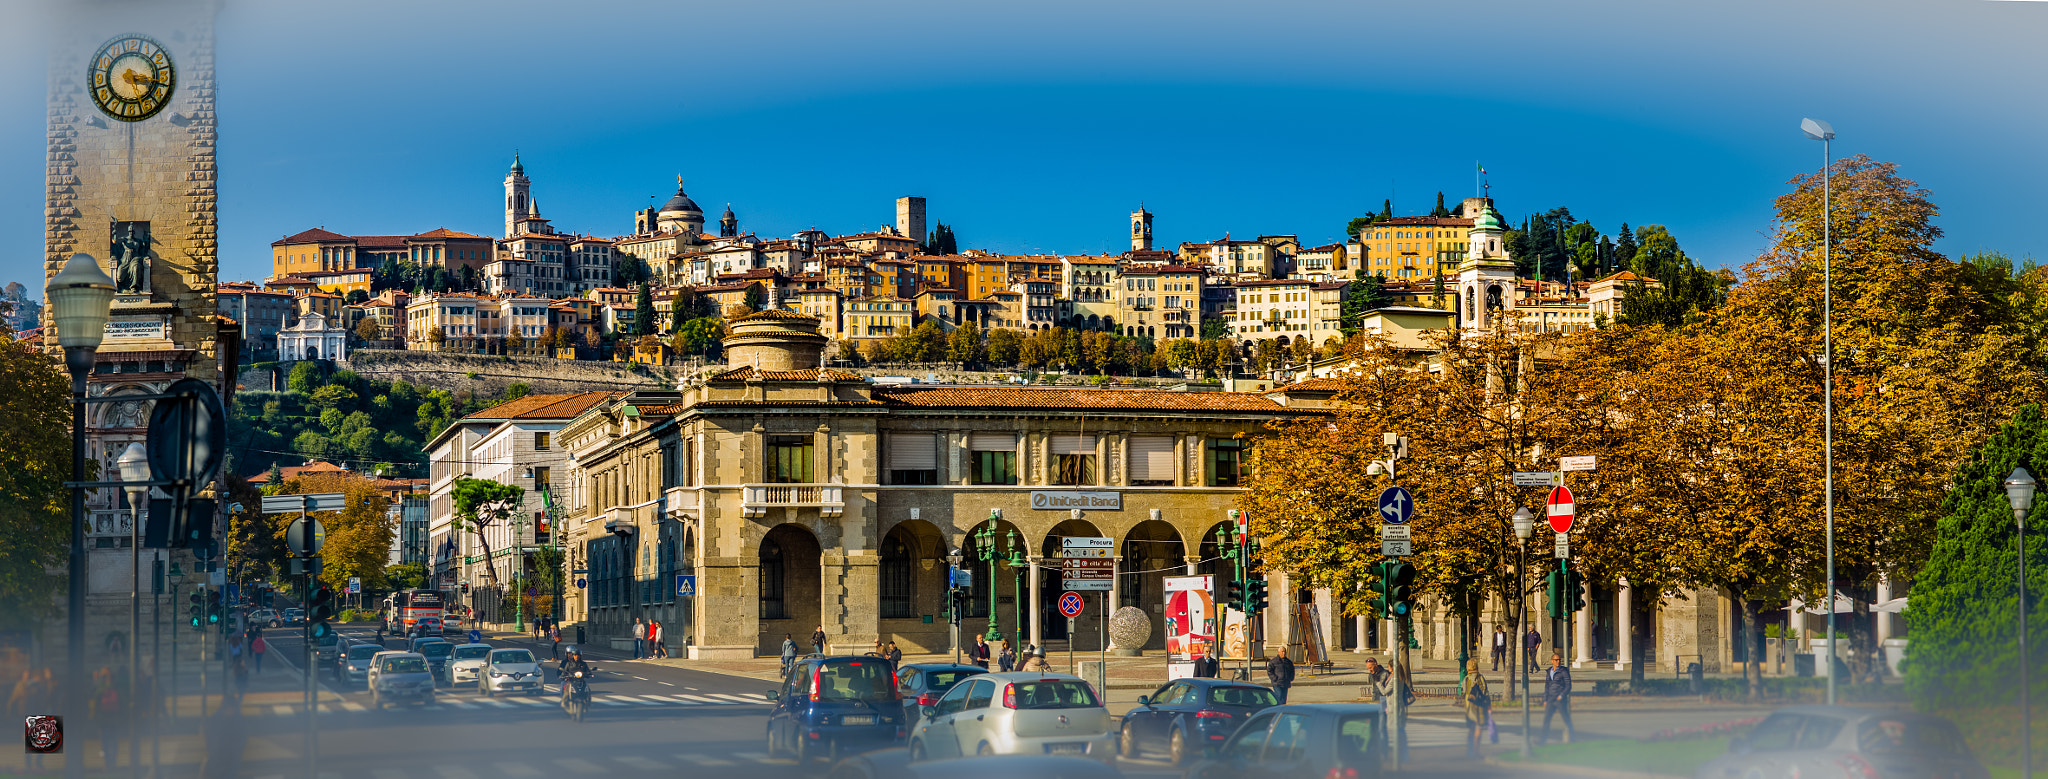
<point x="650" y="639"/>
<point x="1532" y="641"/>
<point x="1008" y="659"/>
<point x="1478" y="702"/>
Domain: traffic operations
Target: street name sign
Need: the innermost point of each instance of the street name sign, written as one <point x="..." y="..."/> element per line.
<point x="1534" y="478"/>
<point x="1087" y="546"/>
<point x="1395" y="532"/>
<point x="1582" y="462"/>
<point x="1397" y="506"/>
<point x="1561" y="509"/>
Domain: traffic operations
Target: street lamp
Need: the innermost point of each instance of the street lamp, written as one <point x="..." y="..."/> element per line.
<point x="1823" y="132"/>
<point x="81" y="302"/>
<point x="986" y="550"/>
<point x="1525" y="523"/>
<point x="134" y="465"/>
<point x="2019" y="488"/>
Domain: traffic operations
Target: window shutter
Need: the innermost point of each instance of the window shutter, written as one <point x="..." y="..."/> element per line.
<point x="993" y="442"/>
<point x="1073" y="444"/>
<point x="1151" y="458"/>
<point x="913" y="452"/>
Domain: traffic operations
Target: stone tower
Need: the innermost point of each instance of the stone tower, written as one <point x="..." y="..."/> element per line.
<point x="1141" y="229"/>
<point x="518" y="197"/>
<point x="1486" y="279"/>
<point x="728" y="223"/>
<point x="910" y="218"/>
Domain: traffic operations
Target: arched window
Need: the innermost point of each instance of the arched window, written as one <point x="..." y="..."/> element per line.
<point x="771" y="582"/>
<point x="898" y="584"/>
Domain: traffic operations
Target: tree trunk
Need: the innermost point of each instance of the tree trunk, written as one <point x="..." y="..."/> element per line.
<point x="490" y="565"/>
<point x="1753" y="670"/>
<point x="1638" y="636"/>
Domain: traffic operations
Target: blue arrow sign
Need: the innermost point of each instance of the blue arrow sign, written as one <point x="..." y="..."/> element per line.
<point x="1396" y="506"/>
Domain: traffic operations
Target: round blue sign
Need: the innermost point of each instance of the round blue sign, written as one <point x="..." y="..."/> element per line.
<point x="1070" y="604"/>
<point x="1396" y="506"/>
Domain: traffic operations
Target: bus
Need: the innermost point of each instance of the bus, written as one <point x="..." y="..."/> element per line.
<point x="405" y="608"/>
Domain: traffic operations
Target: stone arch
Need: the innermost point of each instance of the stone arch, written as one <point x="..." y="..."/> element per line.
<point x="1005" y="542"/>
<point x="1055" y="625"/>
<point x="789" y="576"/>
<point x="911" y="582"/>
<point x="1151" y="551"/>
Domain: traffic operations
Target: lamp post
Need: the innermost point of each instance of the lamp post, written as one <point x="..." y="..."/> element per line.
<point x="986" y="550"/>
<point x="952" y="598"/>
<point x="1823" y="132"/>
<point x="1525" y="523"/>
<point x="171" y="578"/>
<point x="81" y="301"/>
<point x="1017" y="563"/>
<point x="2019" y="488"/>
<point x="134" y="465"/>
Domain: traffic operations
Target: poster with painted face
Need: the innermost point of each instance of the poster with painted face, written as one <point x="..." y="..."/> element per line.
<point x="1190" y="616"/>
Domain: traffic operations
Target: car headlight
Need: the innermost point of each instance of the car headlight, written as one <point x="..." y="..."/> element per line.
<point x="495" y="674"/>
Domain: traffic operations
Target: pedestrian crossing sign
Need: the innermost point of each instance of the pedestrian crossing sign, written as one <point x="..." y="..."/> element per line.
<point x="686" y="586"/>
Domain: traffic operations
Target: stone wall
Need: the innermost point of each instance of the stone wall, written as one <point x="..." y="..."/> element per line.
<point x="489" y="375"/>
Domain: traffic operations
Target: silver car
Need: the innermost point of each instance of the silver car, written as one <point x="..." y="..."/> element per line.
<point x="510" y="670"/>
<point x="467" y="662"/>
<point x="400" y="677"/>
<point x="1016" y="714"/>
<point x="1837" y="740"/>
<point x="354" y="667"/>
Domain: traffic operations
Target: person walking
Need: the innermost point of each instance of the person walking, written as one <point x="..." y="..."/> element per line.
<point x="1477" y="704"/>
<point x="639" y="638"/>
<point x="656" y="633"/>
<point x="1034" y="662"/>
<point x="788" y="653"/>
<point x="554" y="642"/>
<point x="1006" y="659"/>
<point x="895" y="656"/>
<point x="257" y="646"/>
<point x="1280" y="675"/>
<point x="818" y="640"/>
<point x="380" y="633"/>
<point x="1557" y="697"/>
<point x="1500" y="646"/>
<point x="1531" y="641"/>
<point x="1379" y="680"/>
<point x="979" y="654"/>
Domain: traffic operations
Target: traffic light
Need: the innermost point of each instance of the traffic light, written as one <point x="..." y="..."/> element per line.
<point x="215" y="610"/>
<point x="1255" y="595"/>
<point x="198" y="608"/>
<point x="1574" y="590"/>
<point x="319" y="609"/>
<point x="1381" y="572"/>
<point x="1400" y="588"/>
<point x="1553" y="587"/>
<point x="1235" y="598"/>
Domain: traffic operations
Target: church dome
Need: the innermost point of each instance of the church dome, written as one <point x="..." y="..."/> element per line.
<point x="516" y="167"/>
<point x="681" y="203"/>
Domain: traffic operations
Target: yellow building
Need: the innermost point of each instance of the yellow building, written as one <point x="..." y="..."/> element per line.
<point x="1404" y="247"/>
<point x="880" y="316"/>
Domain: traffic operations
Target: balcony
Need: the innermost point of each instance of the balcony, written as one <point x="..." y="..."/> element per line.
<point x="756" y="499"/>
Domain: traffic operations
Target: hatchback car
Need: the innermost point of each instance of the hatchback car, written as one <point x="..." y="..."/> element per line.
<point x="400" y="677"/>
<point x="263" y="617"/>
<point x="1830" y="740"/>
<point x="415" y="644"/>
<point x="510" y="670"/>
<point x="437" y="654"/>
<point x="921" y="684"/>
<point x="829" y="706"/>
<point x="1186" y="716"/>
<point x="1016" y="714"/>
<point x="467" y="662"/>
<point x="327" y="647"/>
<point x="1302" y="741"/>
<point x="292" y="616"/>
<point x="353" y="667"/>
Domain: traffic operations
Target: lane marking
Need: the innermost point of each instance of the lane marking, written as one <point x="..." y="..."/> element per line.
<point x="671" y="684"/>
<point x="282" y="710"/>
<point x="702" y="699"/>
<point x="703" y="760"/>
<point x="756" y="756"/>
<point x="740" y="698"/>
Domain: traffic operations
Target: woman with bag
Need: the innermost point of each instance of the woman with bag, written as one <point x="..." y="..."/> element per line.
<point x="1478" y="705"/>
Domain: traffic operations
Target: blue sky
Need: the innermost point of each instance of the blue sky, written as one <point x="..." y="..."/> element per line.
<point x="1037" y="127"/>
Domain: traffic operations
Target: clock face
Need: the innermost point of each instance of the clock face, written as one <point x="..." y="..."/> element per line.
<point x="132" y="78"/>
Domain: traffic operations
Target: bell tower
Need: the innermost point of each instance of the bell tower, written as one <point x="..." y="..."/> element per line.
<point x="518" y="197"/>
<point x="1141" y="229"/>
<point x="1486" y="279"/>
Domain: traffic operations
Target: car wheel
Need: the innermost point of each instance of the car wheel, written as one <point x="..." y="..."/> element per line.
<point x="1127" y="743"/>
<point x="983" y="749"/>
<point x="804" y="754"/>
<point x="1178" y="747"/>
<point x="916" y="751"/>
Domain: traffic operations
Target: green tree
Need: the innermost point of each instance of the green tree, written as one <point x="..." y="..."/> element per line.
<point x="1624" y="247"/>
<point x="517" y="390"/>
<point x="478" y="504"/>
<point x="1004" y="346"/>
<point x="701" y="336"/>
<point x="942" y="240"/>
<point x="755" y="298"/>
<point x="34" y="465"/>
<point x="333" y="396"/>
<point x="848" y="352"/>
<point x="1215" y="328"/>
<point x="1356" y="224"/>
<point x="963" y="345"/>
<point x="515" y="341"/>
<point x="643" y="311"/>
<point x="304" y="378"/>
<point x="405" y="576"/>
<point x="368" y="330"/>
<point x="1440" y="211"/>
<point x="1364" y="293"/>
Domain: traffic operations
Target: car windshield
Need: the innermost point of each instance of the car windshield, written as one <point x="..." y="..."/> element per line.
<point x="1355" y="735"/>
<point x="1909" y="736"/>
<point x="512" y="657"/>
<point x="405" y="665"/>
<point x="472" y="652"/>
<point x="942" y="681"/>
<point x="364" y="652"/>
<point x="1242" y="696"/>
<point x="437" y="650"/>
<point x="856" y="680"/>
<point x="1051" y="694"/>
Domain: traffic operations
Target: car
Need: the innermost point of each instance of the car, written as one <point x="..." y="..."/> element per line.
<point x="328" y="647"/>
<point x="400" y="677"/>
<point x="896" y="764"/>
<point x="1016" y="714"/>
<point x="426" y="626"/>
<point x="510" y="670"/>
<point x="1301" y="741"/>
<point x="353" y="666"/>
<point x="451" y="622"/>
<point x="263" y="617"/>
<point x="467" y="662"/>
<point x="921" y="684"/>
<point x="415" y="644"/>
<point x="831" y="706"/>
<point x="292" y="617"/>
<point x="1831" y="740"/>
<point x="438" y="654"/>
<point x="1188" y="715"/>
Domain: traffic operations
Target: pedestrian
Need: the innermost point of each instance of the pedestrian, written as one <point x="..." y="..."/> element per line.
<point x="1035" y="662"/>
<point x="554" y="642"/>
<point x="106" y="713"/>
<point x="979" y="654"/>
<point x="1557" y="697"/>
<point x="1280" y="675"/>
<point x="1007" y="659"/>
<point x="1379" y="680"/>
<point x="1531" y="641"/>
<point x="380" y="633"/>
<point x="818" y="640"/>
<point x="1477" y="703"/>
<point x="788" y="652"/>
<point x="895" y="655"/>
<point x="654" y="634"/>
<point x="1500" y="646"/>
<point x="257" y="646"/>
<point x="639" y="638"/>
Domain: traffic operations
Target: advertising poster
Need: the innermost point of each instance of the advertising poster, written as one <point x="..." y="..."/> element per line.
<point x="1190" y="616"/>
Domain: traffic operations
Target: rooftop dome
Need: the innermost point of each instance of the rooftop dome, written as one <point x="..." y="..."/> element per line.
<point x="681" y="203"/>
<point x="516" y="167"/>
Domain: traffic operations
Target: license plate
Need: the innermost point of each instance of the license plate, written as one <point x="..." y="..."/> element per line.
<point x="857" y="719"/>
<point x="1067" y="749"/>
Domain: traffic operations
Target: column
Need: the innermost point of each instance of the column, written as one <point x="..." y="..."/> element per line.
<point x="1194" y="564"/>
<point x="1582" y="637"/>
<point x="1883" y="629"/>
<point x="1362" y="621"/>
<point x="1387" y="644"/>
<point x="1037" y="614"/>
<point x="1624" y="626"/>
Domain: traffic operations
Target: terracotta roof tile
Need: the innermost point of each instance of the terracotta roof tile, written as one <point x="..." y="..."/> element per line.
<point x="545" y="406"/>
<point x="1068" y="398"/>
<point x="315" y="235"/>
<point x="807" y="374"/>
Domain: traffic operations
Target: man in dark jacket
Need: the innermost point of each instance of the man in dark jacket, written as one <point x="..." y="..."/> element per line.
<point x="818" y="640"/>
<point x="1557" y="697"/>
<point x="1531" y="641"/>
<point x="1280" y="675"/>
<point x="979" y="653"/>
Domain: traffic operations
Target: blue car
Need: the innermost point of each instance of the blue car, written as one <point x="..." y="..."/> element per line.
<point x="1189" y="715"/>
<point x="833" y="706"/>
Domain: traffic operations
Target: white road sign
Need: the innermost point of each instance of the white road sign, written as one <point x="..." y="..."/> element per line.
<point x="1394" y="549"/>
<point x="1564" y="546"/>
<point x="1395" y="532"/>
<point x="1534" y="478"/>
<point x="1582" y="462"/>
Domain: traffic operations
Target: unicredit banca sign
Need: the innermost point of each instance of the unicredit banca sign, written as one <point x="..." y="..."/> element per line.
<point x="1061" y="501"/>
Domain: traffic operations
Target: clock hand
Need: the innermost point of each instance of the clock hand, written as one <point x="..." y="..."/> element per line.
<point x="137" y="78"/>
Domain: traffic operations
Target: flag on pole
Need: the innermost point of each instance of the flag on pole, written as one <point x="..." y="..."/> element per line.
<point x="1482" y="169"/>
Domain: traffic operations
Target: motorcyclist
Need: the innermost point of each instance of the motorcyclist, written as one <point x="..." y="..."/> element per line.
<point x="570" y="664"/>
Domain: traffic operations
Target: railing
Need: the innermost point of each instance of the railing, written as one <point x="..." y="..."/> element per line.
<point x="757" y="498"/>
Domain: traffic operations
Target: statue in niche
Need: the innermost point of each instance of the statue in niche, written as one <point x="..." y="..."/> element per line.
<point x="130" y="255"/>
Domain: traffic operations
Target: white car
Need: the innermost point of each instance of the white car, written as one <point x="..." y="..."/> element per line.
<point x="1016" y="714"/>
<point x="467" y="662"/>
<point x="510" y="670"/>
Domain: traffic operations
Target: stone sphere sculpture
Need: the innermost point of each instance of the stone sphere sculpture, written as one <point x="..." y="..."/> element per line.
<point x="1129" y="628"/>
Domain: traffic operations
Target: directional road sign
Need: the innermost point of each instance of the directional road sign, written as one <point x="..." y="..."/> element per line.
<point x="1071" y="604"/>
<point x="1396" y="506"/>
<point x="1534" y="478"/>
<point x="1582" y="462"/>
<point x="355" y="584"/>
<point x="1092" y="574"/>
<point x="1561" y="511"/>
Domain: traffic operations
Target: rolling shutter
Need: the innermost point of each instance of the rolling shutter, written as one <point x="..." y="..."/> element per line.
<point x="993" y="442"/>
<point x="913" y="452"/>
<point x="1073" y="444"/>
<point x="1151" y="458"/>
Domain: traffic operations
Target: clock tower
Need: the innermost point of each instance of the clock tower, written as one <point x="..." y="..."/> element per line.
<point x="1141" y="229"/>
<point x="518" y="197"/>
<point x="1486" y="279"/>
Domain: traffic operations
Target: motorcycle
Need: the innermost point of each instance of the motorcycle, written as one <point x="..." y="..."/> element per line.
<point x="579" y="695"/>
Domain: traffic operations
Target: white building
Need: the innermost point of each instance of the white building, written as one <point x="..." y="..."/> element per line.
<point x="313" y="337"/>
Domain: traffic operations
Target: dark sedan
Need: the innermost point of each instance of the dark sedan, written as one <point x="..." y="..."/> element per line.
<point x="1188" y="715"/>
<point x="1302" y="741"/>
<point x="923" y="683"/>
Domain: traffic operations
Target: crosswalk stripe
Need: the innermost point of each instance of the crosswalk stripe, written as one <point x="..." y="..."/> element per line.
<point x="455" y="772"/>
<point x="580" y="765"/>
<point x="494" y="703"/>
<point x="532" y="702"/>
<point x="703" y="760"/>
<point x="642" y="763"/>
<point x="739" y="698"/>
<point x="459" y="703"/>
<point x="750" y="755"/>
<point x="353" y="706"/>
<point x="702" y="699"/>
<point x="517" y="769"/>
<point x="609" y="702"/>
<point x="282" y="710"/>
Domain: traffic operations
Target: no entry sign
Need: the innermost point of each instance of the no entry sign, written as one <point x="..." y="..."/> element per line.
<point x="1561" y="510"/>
